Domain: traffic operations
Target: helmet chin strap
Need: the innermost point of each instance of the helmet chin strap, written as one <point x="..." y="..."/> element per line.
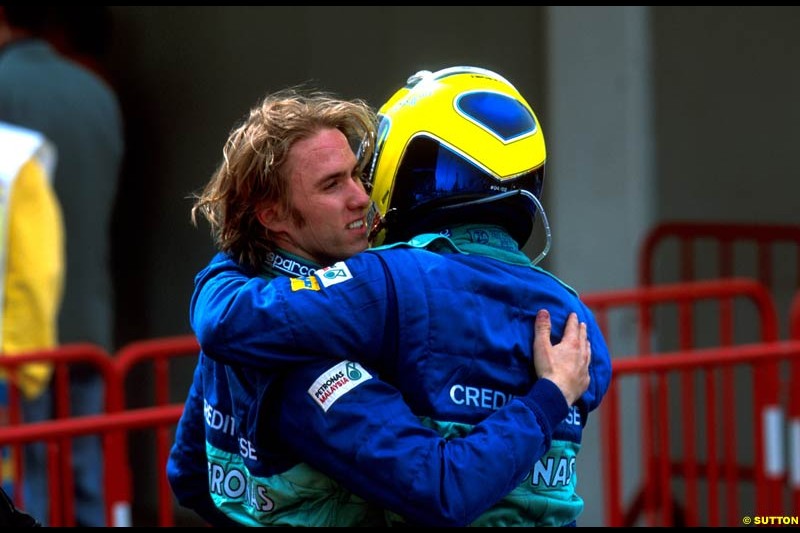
<point x="375" y="221"/>
<point x="545" y="224"/>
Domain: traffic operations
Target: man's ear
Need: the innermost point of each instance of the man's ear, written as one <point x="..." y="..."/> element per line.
<point x="271" y="217"/>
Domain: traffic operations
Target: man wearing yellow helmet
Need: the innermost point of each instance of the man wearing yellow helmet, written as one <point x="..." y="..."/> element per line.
<point x="345" y="421"/>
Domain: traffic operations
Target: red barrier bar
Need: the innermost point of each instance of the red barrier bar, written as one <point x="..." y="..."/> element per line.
<point x="764" y="235"/>
<point x="62" y="507"/>
<point x="760" y="358"/>
<point x="143" y="417"/>
<point x="656" y="463"/>
<point x="156" y="349"/>
<point x="160" y="352"/>
<point x="684" y="294"/>
<point x="56" y="432"/>
<point x="117" y="475"/>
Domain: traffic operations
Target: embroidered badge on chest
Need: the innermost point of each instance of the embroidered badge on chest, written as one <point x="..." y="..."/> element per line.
<point x="333" y="274"/>
<point x="309" y="283"/>
<point x="336" y="382"/>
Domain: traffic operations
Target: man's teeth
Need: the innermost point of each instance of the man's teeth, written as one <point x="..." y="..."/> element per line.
<point x="357" y="224"/>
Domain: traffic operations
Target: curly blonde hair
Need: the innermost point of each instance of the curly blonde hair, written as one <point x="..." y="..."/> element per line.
<point x="252" y="175"/>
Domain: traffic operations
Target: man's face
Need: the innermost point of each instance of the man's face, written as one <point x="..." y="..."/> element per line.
<point x="328" y="200"/>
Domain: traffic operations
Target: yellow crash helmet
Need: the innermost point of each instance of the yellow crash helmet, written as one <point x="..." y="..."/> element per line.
<point x="460" y="145"/>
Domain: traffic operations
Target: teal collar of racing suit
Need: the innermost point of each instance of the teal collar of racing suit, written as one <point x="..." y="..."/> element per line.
<point x="478" y="239"/>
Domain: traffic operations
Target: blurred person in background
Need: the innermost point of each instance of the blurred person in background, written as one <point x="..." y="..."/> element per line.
<point x="79" y="112"/>
<point x="31" y="275"/>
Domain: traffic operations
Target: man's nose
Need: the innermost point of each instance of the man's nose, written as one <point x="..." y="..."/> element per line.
<point x="360" y="196"/>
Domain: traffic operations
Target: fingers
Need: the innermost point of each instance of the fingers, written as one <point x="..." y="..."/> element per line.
<point x="583" y="336"/>
<point x="542" y="328"/>
<point x="575" y="334"/>
<point x="566" y="363"/>
<point x="571" y="330"/>
<point x="586" y="347"/>
<point x="543" y="321"/>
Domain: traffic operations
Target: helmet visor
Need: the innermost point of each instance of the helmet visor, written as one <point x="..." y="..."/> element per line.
<point x="431" y="175"/>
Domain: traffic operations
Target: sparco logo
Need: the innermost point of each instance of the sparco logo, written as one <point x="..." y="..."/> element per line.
<point x="288" y="265"/>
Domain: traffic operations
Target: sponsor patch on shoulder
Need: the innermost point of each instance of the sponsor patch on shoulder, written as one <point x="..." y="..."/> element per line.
<point x="333" y="274"/>
<point x="305" y="282"/>
<point x="336" y="382"/>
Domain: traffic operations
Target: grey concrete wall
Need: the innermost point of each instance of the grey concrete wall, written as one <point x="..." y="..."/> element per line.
<point x="600" y="175"/>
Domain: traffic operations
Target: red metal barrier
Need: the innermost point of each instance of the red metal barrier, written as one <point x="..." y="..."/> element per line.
<point x="688" y="234"/>
<point x="705" y="487"/>
<point x="711" y="250"/>
<point x="62" y="507"/>
<point x="57" y="433"/>
<point x="161" y="353"/>
<point x="115" y="371"/>
<point x="684" y="301"/>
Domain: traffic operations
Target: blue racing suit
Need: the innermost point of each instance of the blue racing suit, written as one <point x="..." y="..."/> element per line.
<point x="213" y="468"/>
<point x="449" y="323"/>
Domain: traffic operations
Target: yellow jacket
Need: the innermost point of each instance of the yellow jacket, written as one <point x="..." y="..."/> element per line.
<point x="34" y="273"/>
